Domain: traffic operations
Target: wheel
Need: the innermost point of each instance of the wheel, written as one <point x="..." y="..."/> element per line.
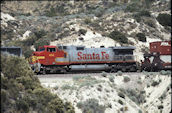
<point x="123" y="69"/>
<point x="63" y="71"/>
<point x="133" y="69"/>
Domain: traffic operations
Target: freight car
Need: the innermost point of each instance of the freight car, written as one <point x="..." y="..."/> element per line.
<point x="159" y="56"/>
<point x="73" y="58"/>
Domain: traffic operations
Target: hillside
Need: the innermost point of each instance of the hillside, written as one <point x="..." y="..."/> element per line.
<point x="29" y="24"/>
<point x="147" y="92"/>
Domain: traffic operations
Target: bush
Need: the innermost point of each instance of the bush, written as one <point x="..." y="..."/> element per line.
<point x="121" y="95"/>
<point x="144" y="13"/>
<point x="118" y="36"/>
<point x="155" y="83"/>
<point x="160" y="107"/>
<point x="87" y="21"/>
<point x="119" y="73"/>
<point x="111" y="78"/>
<point x="138" y="15"/>
<point x="133" y="7"/>
<point x="41" y="42"/>
<point x="51" y="12"/>
<point x="164" y="19"/>
<point x="151" y="23"/>
<point x="141" y="37"/>
<point x="120" y="101"/>
<point x="163" y="72"/>
<point x="91" y="106"/>
<point x="126" y="79"/>
<point x="103" y="74"/>
<point x="22" y="105"/>
<point x="82" y="31"/>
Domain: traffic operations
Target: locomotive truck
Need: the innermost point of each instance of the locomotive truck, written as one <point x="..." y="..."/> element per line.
<point x="79" y="58"/>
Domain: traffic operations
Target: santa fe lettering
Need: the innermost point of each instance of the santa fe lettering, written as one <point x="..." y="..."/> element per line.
<point x="82" y="56"/>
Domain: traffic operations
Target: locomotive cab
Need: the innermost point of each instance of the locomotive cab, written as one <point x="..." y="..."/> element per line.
<point x="47" y="58"/>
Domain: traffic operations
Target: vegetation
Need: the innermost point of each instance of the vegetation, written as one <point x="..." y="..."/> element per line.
<point x="126" y="79"/>
<point x="118" y="36"/>
<point x="119" y="73"/>
<point x="91" y="106"/>
<point x="82" y="31"/>
<point x="136" y="96"/>
<point x="21" y="90"/>
<point x="141" y="37"/>
<point x="133" y="7"/>
<point x="155" y="83"/>
<point x="120" y="101"/>
<point x="111" y="78"/>
<point x="164" y="19"/>
<point x="140" y="14"/>
<point x="120" y="94"/>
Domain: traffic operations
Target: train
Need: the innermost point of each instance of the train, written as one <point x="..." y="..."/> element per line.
<point x="64" y="59"/>
<point x="158" y="58"/>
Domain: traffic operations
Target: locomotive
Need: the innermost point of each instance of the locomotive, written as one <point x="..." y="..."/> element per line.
<point x="79" y="58"/>
<point x="158" y="58"/>
<point x="112" y="59"/>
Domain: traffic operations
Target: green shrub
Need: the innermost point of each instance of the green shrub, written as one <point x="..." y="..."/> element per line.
<point x="52" y="12"/>
<point x="40" y="33"/>
<point x="87" y="20"/>
<point x="91" y="106"/>
<point x="82" y="31"/>
<point x="163" y="72"/>
<point x="120" y="101"/>
<point x="118" y="36"/>
<point x="144" y="13"/>
<point x="111" y="78"/>
<point x="22" y="105"/>
<point x="126" y="79"/>
<point x="120" y="94"/>
<point x="134" y="7"/>
<point x="66" y="87"/>
<point x="140" y="111"/>
<point x="141" y="37"/>
<point x="141" y="13"/>
<point x="137" y="17"/>
<point x="164" y="19"/>
<point x="103" y="74"/>
<point x="151" y="23"/>
<point x="160" y="107"/>
<point x="119" y="73"/>
<point x="41" y="42"/>
<point x="155" y="83"/>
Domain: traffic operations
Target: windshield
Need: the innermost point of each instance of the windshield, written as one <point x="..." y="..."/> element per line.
<point x="42" y="49"/>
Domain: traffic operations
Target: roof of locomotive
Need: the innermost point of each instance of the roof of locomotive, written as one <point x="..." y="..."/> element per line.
<point x="113" y="47"/>
<point x="123" y="47"/>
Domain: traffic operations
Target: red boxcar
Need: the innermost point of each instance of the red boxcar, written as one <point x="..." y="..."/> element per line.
<point x="163" y="47"/>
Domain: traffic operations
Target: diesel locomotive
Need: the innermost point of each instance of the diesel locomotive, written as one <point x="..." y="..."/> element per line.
<point x="79" y="58"/>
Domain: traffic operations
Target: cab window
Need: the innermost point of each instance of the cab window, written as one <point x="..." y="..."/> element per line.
<point x="51" y="49"/>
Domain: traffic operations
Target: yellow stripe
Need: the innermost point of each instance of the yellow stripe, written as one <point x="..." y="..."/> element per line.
<point x="40" y="57"/>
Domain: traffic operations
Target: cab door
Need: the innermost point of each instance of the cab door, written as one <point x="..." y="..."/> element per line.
<point x="51" y="55"/>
